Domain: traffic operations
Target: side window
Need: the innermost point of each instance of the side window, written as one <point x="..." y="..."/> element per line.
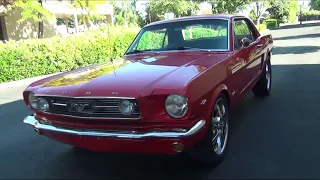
<point x="153" y="40"/>
<point x="242" y="30"/>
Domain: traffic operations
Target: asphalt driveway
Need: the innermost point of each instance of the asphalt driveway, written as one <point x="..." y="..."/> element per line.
<point x="275" y="137"/>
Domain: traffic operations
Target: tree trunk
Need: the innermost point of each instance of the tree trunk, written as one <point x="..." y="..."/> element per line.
<point x="258" y="20"/>
<point x="258" y="14"/>
<point x="40" y="30"/>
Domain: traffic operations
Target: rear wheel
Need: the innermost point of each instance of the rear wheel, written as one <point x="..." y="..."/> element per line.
<point x="212" y="148"/>
<point x="263" y="86"/>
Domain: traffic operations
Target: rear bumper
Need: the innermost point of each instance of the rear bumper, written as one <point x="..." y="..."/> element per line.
<point x="149" y="142"/>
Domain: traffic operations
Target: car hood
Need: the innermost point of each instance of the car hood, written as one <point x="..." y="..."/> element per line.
<point x="133" y="76"/>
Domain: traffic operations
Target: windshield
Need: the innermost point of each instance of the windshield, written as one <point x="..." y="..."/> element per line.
<point x="210" y="34"/>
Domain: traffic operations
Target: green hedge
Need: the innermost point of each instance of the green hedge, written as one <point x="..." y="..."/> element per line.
<point x="271" y="23"/>
<point x="154" y="40"/>
<point x="261" y="27"/>
<point x="151" y="40"/>
<point x="30" y="58"/>
<point x="309" y="15"/>
<point x="204" y="33"/>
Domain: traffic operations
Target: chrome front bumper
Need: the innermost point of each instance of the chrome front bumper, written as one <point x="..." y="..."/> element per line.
<point x="31" y="120"/>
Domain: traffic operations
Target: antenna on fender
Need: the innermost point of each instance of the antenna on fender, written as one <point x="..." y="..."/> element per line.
<point x="111" y="52"/>
<point x="114" y="69"/>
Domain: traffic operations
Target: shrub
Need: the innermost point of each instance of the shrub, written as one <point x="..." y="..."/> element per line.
<point x="29" y="58"/>
<point x="151" y="40"/>
<point x="261" y="27"/>
<point x="309" y="15"/>
<point x="154" y="39"/>
<point x="206" y="32"/>
<point x="271" y="23"/>
<point x="241" y="29"/>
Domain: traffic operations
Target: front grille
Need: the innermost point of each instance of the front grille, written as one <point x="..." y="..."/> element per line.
<point x="94" y="108"/>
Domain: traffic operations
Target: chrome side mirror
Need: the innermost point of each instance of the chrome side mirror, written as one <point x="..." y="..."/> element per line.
<point x="245" y="42"/>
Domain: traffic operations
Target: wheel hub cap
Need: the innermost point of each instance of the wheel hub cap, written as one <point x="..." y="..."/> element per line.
<point x="268" y="76"/>
<point x="219" y="127"/>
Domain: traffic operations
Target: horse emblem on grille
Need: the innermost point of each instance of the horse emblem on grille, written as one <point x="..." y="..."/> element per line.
<point x="77" y="106"/>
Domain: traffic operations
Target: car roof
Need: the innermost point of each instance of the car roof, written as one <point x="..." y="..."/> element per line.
<point x="198" y="17"/>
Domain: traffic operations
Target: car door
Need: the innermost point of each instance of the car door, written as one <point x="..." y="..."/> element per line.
<point x="256" y="51"/>
<point x="249" y="55"/>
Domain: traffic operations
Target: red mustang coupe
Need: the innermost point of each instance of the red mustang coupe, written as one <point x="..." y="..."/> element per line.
<point x="171" y="92"/>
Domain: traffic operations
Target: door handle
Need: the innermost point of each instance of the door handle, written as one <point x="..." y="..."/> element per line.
<point x="259" y="45"/>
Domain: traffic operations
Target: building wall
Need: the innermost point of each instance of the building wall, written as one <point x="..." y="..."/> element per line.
<point x="49" y="28"/>
<point x="24" y="30"/>
<point x="109" y="19"/>
<point x="27" y="29"/>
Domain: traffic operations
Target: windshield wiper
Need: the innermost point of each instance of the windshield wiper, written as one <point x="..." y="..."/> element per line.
<point x="138" y="51"/>
<point x="187" y="48"/>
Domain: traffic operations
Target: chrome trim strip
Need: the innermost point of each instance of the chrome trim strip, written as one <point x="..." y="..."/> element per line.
<point x="106" y="106"/>
<point x="189" y="50"/>
<point x="131" y="135"/>
<point x="59" y="104"/>
<point x="90" y="97"/>
<point x="79" y="117"/>
<point x="85" y="97"/>
<point x="186" y="19"/>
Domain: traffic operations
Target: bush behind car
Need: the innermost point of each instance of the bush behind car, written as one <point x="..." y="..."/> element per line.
<point x="30" y="58"/>
<point x="35" y="57"/>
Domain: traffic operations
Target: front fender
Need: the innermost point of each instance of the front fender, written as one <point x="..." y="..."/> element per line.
<point x="220" y="89"/>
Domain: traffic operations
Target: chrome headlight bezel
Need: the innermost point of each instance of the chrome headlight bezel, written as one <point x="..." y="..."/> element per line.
<point x="130" y="105"/>
<point x="33" y="100"/>
<point x="176" y="106"/>
<point x="43" y="104"/>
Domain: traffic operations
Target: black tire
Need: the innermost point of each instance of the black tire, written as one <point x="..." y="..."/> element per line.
<point x="204" y="152"/>
<point x="261" y="88"/>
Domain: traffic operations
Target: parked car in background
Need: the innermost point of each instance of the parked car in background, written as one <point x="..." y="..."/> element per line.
<point x="172" y="91"/>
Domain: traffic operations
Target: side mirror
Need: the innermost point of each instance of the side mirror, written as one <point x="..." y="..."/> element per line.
<point x="245" y="42"/>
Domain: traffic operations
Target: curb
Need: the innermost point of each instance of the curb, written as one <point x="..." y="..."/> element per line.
<point x="304" y="24"/>
<point x="22" y="82"/>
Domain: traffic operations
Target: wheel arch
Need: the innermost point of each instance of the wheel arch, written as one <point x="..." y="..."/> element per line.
<point x="269" y="53"/>
<point x="221" y="89"/>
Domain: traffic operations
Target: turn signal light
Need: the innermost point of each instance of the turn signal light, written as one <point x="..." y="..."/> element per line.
<point x="177" y="147"/>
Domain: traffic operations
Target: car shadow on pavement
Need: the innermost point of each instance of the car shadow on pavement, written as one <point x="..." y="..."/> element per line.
<point x="295" y="49"/>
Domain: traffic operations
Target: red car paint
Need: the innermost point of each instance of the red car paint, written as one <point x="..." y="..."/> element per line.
<point x="149" y="78"/>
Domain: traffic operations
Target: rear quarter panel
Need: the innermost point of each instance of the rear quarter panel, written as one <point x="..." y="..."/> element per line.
<point x="267" y="42"/>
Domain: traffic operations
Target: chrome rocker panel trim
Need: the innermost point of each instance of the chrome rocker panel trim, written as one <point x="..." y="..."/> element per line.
<point x="31" y="120"/>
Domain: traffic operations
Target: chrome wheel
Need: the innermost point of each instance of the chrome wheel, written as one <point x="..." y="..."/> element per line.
<point x="220" y="125"/>
<point x="268" y="76"/>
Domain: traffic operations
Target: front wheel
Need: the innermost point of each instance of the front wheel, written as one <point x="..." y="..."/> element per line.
<point x="212" y="148"/>
<point x="263" y="86"/>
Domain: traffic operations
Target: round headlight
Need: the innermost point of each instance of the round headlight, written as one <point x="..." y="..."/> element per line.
<point x="33" y="100"/>
<point x="176" y="105"/>
<point x="126" y="107"/>
<point x="43" y="104"/>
